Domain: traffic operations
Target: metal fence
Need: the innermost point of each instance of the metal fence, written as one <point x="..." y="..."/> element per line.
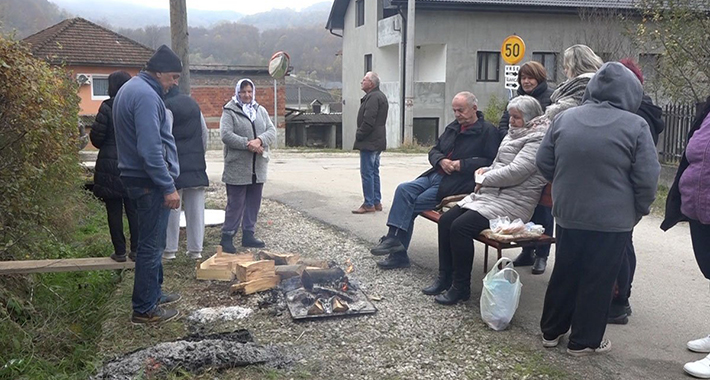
<point x="678" y="119"/>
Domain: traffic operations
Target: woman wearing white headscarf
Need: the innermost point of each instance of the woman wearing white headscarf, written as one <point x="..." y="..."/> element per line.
<point x="247" y="133"/>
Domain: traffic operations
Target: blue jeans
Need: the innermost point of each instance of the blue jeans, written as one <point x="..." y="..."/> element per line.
<point x="542" y="216"/>
<point x="152" y="227"/>
<point x="410" y="199"/>
<point x="370" y="174"/>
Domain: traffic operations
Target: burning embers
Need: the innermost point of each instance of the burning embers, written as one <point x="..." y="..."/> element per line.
<point x="326" y="293"/>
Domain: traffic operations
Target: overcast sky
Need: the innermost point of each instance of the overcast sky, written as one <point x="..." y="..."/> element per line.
<point x="241" y="6"/>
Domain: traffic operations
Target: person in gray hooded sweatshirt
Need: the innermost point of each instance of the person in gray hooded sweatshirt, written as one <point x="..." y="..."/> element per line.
<point x="604" y="166"/>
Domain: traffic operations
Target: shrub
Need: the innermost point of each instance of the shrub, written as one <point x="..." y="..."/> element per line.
<point x="40" y="176"/>
<point x="494" y="109"/>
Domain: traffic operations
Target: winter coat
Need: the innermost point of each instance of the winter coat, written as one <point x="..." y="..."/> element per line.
<point x="673" y="201"/>
<point x="694" y="183"/>
<point x="512" y="184"/>
<point x="146" y="148"/>
<point x="541" y="93"/>
<point x="190" y="139"/>
<point x="653" y="116"/>
<point x="107" y="177"/>
<point x="242" y="167"/>
<point x="476" y="147"/>
<point x="569" y="94"/>
<point x="600" y="157"/>
<point x="371" y="119"/>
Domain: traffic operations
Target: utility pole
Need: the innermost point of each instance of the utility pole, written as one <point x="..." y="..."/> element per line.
<point x="409" y="76"/>
<point x="179" y="40"/>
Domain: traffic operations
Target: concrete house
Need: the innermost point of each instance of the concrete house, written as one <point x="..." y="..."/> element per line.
<point x="457" y="48"/>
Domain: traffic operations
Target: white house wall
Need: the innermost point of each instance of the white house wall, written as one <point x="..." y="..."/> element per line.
<point x="446" y="62"/>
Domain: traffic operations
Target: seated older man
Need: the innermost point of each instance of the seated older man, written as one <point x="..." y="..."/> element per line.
<point x="466" y="144"/>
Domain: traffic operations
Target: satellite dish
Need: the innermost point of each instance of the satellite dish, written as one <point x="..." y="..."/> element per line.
<point x="278" y="65"/>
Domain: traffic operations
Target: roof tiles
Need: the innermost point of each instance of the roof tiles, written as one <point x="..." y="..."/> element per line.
<point x="78" y="41"/>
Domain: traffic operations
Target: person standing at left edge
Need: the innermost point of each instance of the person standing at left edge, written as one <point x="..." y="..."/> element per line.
<point x="148" y="162"/>
<point x="371" y="140"/>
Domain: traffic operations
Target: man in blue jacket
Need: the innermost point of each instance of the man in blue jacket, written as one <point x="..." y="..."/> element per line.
<point x="147" y="159"/>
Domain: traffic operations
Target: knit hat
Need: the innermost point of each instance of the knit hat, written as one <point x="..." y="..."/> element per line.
<point x="164" y="61"/>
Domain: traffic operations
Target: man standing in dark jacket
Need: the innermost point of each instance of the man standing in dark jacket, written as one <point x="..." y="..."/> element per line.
<point x="371" y="140"/>
<point x="467" y="144"/>
<point x="148" y="162"/>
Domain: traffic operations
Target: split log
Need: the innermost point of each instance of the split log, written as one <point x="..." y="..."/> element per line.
<point x="288" y="271"/>
<point x="280" y="258"/>
<point x="254" y="270"/>
<point x="258" y="285"/>
<point x="323" y="264"/>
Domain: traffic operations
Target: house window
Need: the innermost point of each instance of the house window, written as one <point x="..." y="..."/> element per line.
<point x="368" y="63"/>
<point x="488" y="66"/>
<point x="359" y="13"/>
<point x="549" y="61"/>
<point x="425" y="130"/>
<point x="99" y="87"/>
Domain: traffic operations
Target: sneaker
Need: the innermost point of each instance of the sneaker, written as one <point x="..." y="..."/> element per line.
<point x="118" y="258"/>
<point x="194" y="255"/>
<point x="157" y="315"/>
<point x="604" y="347"/>
<point x="550" y="343"/>
<point x="387" y="246"/>
<point x="169" y="255"/>
<point x="699" y="369"/>
<point x="168" y="298"/>
<point x="700" y="345"/>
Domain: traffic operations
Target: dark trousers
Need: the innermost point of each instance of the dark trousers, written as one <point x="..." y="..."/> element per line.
<point x="114" y="212"/>
<point x="243" y="204"/>
<point x="457" y="228"/>
<point x="542" y="216"/>
<point x="581" y="285"/>
<point x="153" y="225"/>
<point x="626" y="274"/>
<point x="700" y="235"/>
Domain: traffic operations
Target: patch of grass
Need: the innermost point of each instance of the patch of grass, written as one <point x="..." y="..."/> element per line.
<point x="413" y="148"/>
<point x="51" y="322"/>
<point x="658" y="207"/>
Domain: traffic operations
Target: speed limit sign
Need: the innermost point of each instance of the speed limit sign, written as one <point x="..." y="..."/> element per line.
<point x="512" y="50"/>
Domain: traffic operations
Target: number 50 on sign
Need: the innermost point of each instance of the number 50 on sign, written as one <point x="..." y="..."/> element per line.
<point x="512" y="50"/>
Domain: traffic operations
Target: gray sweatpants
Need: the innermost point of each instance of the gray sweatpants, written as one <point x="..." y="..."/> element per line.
<point x="192" y="200"/>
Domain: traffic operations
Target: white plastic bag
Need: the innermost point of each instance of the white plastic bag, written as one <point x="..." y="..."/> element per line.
<point x="500" y="295"/>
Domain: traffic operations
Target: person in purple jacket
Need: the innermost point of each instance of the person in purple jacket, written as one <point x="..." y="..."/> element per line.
<point x="689" y="200"/>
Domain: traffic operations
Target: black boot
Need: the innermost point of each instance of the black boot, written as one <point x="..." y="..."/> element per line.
<point x="248" y="240"/>
<point x="539" y="265"/>
<point x="454" y="295"/>
<point x="226" y="242"/>
<point x="442" y="283"/>
<point x="394" y="261"/>
<point x="524" y="259"/>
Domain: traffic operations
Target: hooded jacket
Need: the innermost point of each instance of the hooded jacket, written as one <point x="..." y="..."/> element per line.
<point x="600" y="156"/>
<point x="512" y="185"/>
<point x="242" y="167"/>
<point x="541" y="93"/>
<point x="107" y="178"/>
<point x="653" y="116"/>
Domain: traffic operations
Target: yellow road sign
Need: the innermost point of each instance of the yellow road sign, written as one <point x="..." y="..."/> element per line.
<point x="512" y="50"/>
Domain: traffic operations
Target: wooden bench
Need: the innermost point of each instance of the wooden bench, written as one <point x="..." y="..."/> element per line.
<point x="545" y="200"/>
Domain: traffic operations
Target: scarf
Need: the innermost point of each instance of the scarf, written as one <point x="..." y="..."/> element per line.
<point x="248" y="108"/>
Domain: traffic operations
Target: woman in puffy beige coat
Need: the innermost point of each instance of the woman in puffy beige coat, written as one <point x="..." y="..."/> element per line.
<point x="510" y="187"/>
